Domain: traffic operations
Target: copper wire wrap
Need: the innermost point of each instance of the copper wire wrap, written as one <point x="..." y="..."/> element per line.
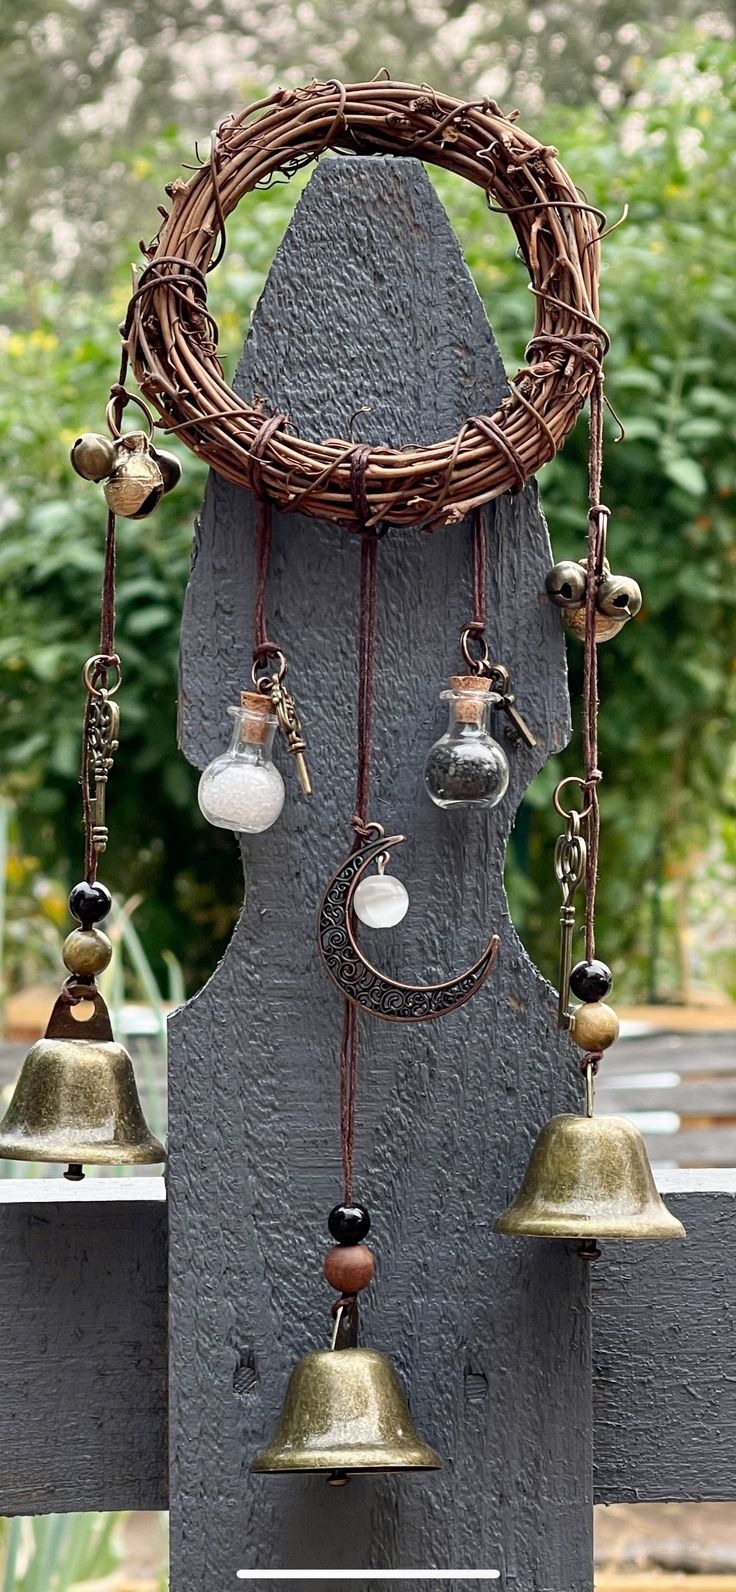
<point x="170" y="335"/>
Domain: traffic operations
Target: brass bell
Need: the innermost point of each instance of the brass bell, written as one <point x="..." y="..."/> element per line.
<point x="589" y="1177"/>
<point x="76" y="1099"/>
<point x="605" y="626"/>
<point x="345" y="1412"/>
<point x="93" y="456"/>
<point x="565" y="584"/>
<point x="136" y="483"/>
<point x="169" y="466"/>
<point x="619" y="597"/>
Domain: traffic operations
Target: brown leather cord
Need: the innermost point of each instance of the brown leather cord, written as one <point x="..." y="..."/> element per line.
<point x="348" y="1092"/>
<point x="597" y="526"/>
<point x="263" y="647"/>
<point x="360" y="825"/>
<point x="479" y="561"/>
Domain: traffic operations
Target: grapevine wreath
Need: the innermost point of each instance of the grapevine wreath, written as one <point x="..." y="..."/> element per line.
<point x="170" y="336"/>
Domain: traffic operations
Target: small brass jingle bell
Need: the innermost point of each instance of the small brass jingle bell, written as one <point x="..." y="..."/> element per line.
<point x="589" y="1177"/>
<point x="76" y="1100"/>
<point x="93" y="456"/>
<point x="169" y="466"/>
<point x="344" y="1413"/>
<point x="619" y="597"/>
<point x="565" y="584"/>
<point x="136" y="483"/>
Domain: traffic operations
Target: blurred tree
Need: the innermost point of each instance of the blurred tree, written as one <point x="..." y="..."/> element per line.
<point x="669" y="681"/>
<point x="85" y="83"/>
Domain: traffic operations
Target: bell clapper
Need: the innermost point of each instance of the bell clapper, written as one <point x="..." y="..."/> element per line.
<point x="589" y="1250"/>
<point x="74" y="1173"/>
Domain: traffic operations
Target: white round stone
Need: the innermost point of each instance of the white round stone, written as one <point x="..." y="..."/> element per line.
<point x="241" y="796"/>
<point x="381" y="901"/>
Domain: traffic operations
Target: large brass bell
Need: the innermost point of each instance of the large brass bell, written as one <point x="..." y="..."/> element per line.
<point x="76" y="1100"/>
<point x="345" y="1412"/>
<point x="589" y="1177"/>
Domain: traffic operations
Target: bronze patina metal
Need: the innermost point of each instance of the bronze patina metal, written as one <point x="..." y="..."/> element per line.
<point x="589" y="1177"/>
<point x="357" y="978"/>
<point x="76" y="1099"/>
<point x="345" y="1412"/>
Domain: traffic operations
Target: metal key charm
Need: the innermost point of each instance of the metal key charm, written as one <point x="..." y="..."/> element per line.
<point x="291" y="729"/>
<point x="103" y="725"/>
<point x="570" y="859"/>
<point x="501" y="683"/>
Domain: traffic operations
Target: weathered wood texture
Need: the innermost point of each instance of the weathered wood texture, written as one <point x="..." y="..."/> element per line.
<point x="664" y="1326"/>
<point x="83" y="1331"/>
<point x="663" y="1321"/>
<point x="368" y="302"/>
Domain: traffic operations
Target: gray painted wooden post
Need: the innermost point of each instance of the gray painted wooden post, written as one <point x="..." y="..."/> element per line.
<point x="369" y="302"/>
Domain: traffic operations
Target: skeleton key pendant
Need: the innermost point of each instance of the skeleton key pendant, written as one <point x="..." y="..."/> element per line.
<point x="291" y="729"/>
<point x="102" y="743"/>
<point x="570" y="859"/>
<point x="501" y="683"/>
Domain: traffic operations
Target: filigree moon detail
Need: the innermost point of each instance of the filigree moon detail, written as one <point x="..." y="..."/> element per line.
<point x="362" y="983"/>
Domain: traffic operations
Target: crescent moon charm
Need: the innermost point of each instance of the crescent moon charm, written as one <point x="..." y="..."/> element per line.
<point x="358" y="979"/>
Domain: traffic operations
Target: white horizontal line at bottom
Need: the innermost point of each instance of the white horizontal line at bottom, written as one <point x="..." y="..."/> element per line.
<point x="369" y="1575"/>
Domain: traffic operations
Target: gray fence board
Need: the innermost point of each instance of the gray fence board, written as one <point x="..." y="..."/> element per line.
<point x="83" y="1411"/>
<point x="664" y="1327"/>
<point x="368" y="302"/>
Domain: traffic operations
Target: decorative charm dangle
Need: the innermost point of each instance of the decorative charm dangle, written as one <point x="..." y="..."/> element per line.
<point x="571" y="855"/>
<point x="588" y="1177"/>
<point x="284" y="706"/>
<point x="356" y="978"/>
<point x="136" y="485"/>
<point x="136" y="475"/>
<point x="344" y="1412"/>
<point x="617" y="598"/>
<point x="380" y="900"/>
<point x="466" y="766"/>
<point x="242" y="789"/>
<point x="76" y="1101"/>
<point x="102" y="729"/>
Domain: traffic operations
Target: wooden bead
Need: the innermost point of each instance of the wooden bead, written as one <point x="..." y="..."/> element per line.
<point x="595" y="1026"/>
<point x="86" y="952"/>
<point x="349" y="1267"/>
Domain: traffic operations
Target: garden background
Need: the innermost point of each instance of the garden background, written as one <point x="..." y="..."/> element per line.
<point x="102" y="104"/>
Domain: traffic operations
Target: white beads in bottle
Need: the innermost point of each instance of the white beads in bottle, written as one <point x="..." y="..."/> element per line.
<point x="242" y="789"/>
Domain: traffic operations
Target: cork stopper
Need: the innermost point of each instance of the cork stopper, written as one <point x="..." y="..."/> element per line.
<point x="469" y="708"/>
<point x="261" y="714"/>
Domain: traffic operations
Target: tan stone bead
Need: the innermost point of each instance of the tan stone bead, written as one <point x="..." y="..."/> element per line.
<point x="86" y="952"/>
<point x="349" y="1267"/>
<point x="595" y="1026"/>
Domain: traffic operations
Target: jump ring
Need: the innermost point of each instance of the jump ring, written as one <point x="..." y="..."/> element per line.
<point x="570" y="779"/>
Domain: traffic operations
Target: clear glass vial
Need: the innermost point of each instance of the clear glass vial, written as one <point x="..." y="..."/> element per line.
<point x="466" y="767"/>
<point x="243" y="789"/>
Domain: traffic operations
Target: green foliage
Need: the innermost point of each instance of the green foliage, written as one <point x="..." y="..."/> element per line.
<point x="669" y="288"/>
<point x="57" y="1553"/>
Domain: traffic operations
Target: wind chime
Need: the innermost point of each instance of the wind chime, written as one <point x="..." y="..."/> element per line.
<point x="588" y="1178"/>
<point x="76" y="1101"/>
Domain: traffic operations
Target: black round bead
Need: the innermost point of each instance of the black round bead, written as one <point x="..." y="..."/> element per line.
<point x="591" y="981"/>
<point x="89" y="903"/>
<point x="349" y="1223"/>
